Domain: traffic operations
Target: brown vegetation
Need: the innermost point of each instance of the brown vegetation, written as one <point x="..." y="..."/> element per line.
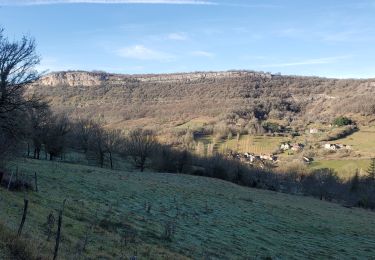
<point x="241" y="100"/>
<point x="17" y="248"/>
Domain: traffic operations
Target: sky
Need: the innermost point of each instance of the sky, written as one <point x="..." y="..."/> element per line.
<point x="328" y="38"/>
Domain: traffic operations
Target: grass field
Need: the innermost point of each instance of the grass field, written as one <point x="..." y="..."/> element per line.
<point x="345" y="168"/>
<point x="363" y="144"/>
<point x="362" y="141"/>
<point x="246" y="143"/>
<point x="195" y="123"/>
<point x="254" y="144"/>
<point x="212" y="219"/>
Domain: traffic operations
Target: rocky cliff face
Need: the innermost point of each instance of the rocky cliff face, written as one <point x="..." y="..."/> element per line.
<point x="81" y="78"/>
<point x="73" y="79"/>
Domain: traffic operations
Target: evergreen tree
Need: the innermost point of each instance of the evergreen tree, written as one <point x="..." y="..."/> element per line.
<point x="354" y="183"/>
<point x="371" y="169"/>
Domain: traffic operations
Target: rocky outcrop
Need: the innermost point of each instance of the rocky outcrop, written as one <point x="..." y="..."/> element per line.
<point x="82" y="78"/>
<point x="75" y="78"/>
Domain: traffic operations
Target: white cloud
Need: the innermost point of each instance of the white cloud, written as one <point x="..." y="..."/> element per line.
<point x="50" y="2"/>
<point x="203" y="54"/>
<point x="178" y="36"/>
<point x="327" y="60"/>
<point x="249" y="5"/>
<point x="140" y="52"/>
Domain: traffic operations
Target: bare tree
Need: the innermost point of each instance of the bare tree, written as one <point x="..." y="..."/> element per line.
<point x="112" y="142"/>
<point x="39" y="118"/>
<point x="139" y="146"/>
<point x="55" y="139"/>
<point x="81" y="131"/>
<point x="97" y="143"/>
<point x="323" y="183"/>
<point x="17" y="69"/>
<point x="17" y="63"/>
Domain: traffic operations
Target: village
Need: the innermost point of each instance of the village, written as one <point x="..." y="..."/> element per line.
<point x="285" y="147"/>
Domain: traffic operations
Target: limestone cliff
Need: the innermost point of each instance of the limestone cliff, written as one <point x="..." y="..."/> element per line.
<point x="82" y="78"/>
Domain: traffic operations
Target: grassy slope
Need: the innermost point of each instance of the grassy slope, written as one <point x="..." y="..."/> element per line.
<point x="362" y="141"/>
<point x="345" y="168"/>
<point x="214" y="218"/>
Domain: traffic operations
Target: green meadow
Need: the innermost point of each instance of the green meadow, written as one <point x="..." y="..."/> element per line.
<point x="363" y="141"/>
<point x="120" y="214"/>
<point x="246" y="143"/>
<point x="345" y="168"/>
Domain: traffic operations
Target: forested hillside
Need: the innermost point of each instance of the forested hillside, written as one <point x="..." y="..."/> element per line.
<point x="236" y="98"/>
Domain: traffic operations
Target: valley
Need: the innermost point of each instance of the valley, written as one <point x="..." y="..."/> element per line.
<point x="187" y="129"/>
<point x="183" y="109"/>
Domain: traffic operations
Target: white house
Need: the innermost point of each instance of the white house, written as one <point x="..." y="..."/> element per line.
<point x="269" y="157"/>
<point x="332" y="147"/>
<point x="297" y="147"/>
<point x="285" y="146"/>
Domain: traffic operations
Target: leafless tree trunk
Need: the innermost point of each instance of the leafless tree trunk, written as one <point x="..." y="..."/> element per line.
<point x="110" y="160"/>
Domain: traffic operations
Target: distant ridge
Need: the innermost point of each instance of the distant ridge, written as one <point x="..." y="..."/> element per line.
<point x="95" y="78"/>
<point x="232" y="98"/>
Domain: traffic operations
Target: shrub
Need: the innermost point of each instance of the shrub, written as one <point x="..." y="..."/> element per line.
<point x="18" y="248"/>
<point x="342" y="121"/>
<point x="169" y="230"/>
<point x="272" y="127"/>
<point x="17" y="183"/>
<point x="322" y="183"/>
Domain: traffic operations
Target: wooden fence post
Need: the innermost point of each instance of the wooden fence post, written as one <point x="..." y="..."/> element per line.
<point x="10" y="180"/>
<point x="26" y="202"/>
<point x="58" y="235"/>
<point x="36" y="182"/>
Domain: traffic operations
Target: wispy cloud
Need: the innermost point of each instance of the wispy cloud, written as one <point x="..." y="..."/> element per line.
<point x="326" y="60"/>
<point x="355" y="35"/>
<point x="178" y="36"/>
<point x="203" y="54"/>
<point x="140" y="52"/>
<point x="249" y="5"/>
<point x="51" y="2"/>
<point x="290" y="32"/>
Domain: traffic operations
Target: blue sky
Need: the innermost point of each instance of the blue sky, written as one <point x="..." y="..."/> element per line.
<point x="331" y="38"/>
